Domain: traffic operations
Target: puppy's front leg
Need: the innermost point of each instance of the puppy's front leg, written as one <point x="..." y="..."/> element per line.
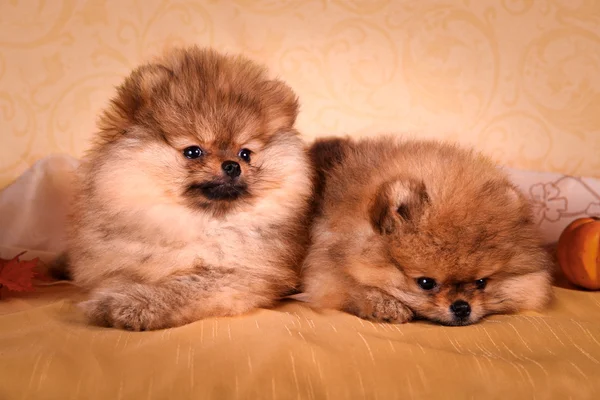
<point x="174" y="301"/>
<point x="131" y="305"/>
<point x="375" y="305"/>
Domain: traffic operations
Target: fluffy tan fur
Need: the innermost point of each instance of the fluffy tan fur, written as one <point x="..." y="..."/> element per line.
<point x="393" y="212"/>
<point x="153" y="237"/>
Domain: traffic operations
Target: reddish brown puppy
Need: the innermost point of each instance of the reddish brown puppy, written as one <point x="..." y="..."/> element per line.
<point x="417" y="228"/>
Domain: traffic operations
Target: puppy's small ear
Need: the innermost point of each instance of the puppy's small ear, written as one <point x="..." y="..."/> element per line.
<point x="281" y="105"/>
<point x="138" y="90"/>
<point x="504" y="191"/>
<point x="398" y="203"/>
<point x="509" y="196"/>
<point x="151" y="78"/>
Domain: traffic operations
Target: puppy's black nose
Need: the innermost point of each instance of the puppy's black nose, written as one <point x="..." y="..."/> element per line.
<point x="231" y="168"/>
<point x="461" y="309"/>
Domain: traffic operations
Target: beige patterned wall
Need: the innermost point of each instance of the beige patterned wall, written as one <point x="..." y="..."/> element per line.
<point x="519" y="79"/>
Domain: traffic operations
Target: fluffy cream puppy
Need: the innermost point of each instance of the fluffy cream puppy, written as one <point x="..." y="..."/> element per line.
<point x="193" y="200"/>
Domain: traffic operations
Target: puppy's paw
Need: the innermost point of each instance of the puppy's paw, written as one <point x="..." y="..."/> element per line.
<point x="376" y="305"/>
<point x="124" y="310"/>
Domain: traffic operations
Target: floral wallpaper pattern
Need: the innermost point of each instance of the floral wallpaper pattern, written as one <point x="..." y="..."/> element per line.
<point x="518" y="79"/>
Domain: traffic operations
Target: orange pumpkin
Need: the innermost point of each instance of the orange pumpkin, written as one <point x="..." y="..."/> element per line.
<point x="578" y="252"/>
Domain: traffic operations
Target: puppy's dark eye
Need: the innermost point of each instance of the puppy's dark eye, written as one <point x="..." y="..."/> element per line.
<point x="426" y="283"/>
<point x="481" y="283"/>
<point x="244" y="154"/>
<point x="192" y="152"/>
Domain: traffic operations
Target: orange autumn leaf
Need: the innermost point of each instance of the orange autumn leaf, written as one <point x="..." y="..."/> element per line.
<point x="17" y="275"/>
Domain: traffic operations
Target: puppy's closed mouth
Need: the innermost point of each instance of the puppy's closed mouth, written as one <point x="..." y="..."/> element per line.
<point x="217" y="190"/>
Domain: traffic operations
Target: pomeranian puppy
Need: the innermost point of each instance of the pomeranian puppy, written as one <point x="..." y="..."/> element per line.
<point x="420" y="229"/>
<point x="193" y="199"/>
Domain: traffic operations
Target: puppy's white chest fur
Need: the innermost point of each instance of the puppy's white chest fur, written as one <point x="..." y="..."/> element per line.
<point x="186" y="239"/>
<point x="229" y="243"/>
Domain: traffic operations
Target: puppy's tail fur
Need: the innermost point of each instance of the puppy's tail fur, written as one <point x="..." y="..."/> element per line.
<point x="324" y="155"/>
<point x="59" y="268"/>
